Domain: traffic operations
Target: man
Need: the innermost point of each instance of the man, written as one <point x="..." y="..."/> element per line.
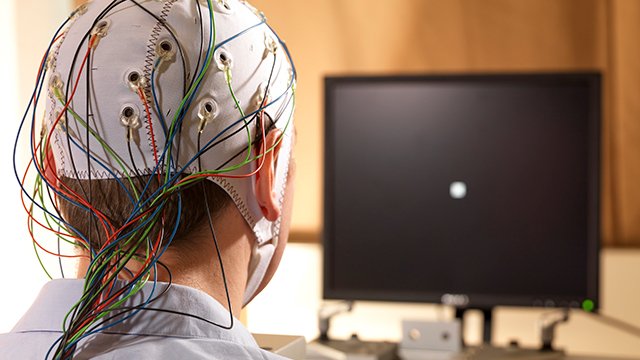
<point x="165" y="159"/>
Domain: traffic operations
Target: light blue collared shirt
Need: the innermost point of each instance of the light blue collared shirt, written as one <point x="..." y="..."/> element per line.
<point x="146" y="335"/>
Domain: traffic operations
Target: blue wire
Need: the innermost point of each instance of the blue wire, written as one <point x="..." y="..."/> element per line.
<point x="238" y="34"/>
<point x="216" y="47"/>
<point x="130" y="284"/>
<point x="163" y="122"/>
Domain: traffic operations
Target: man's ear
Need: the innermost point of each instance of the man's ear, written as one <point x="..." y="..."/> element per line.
<point x="265" y="178"/>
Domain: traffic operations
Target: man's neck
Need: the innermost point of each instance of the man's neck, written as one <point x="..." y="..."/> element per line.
<point x="202" y="270"/>
<point x="194" y="260"/>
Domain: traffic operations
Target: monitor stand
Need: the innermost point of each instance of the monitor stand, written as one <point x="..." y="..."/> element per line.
<point x="486" y="351"/>
<point x="487" y="325"/>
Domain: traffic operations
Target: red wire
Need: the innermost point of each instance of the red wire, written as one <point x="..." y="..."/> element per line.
<point x="50" y="252"/>
<point x="153" y="137"/>
<point x="77" y="197"/>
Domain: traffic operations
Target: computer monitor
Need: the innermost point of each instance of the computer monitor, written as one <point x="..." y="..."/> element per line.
<point x="470" y="190"/>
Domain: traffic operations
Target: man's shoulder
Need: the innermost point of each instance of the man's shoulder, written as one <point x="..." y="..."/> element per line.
<point x="26" y="345"/>
<point x="156" y="347"/>
<point x="36" y="345"/>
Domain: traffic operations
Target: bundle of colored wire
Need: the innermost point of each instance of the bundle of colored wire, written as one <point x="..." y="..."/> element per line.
<point x="109" y="280"/>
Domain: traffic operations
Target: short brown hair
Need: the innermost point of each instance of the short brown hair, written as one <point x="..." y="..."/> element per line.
<point x="109" y="198"/>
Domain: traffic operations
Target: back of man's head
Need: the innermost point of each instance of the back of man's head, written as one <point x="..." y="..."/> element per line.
<point x="157" y="115"/>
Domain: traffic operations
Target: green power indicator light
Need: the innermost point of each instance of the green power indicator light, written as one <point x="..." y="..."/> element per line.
<point x="588" y="305"/>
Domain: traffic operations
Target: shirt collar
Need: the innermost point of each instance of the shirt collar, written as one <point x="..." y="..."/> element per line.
<point x="57" y="298"/>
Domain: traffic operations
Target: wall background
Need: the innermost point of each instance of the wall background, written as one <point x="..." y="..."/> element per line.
<point x="332" y="37"/>
<point x="27" y="26"/>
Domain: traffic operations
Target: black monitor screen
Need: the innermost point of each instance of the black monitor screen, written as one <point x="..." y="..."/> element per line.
<point x="476" y="190"/>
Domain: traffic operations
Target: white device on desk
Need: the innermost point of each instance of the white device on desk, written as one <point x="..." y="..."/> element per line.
<point x="438" y="340"/>
<point x="432" y="335"/>
<point x="442" y="340"/>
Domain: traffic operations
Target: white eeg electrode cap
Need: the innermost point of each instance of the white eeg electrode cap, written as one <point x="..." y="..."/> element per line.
<point x="131" y="43"/>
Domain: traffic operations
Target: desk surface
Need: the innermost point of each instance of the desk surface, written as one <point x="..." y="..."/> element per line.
<point x="316" y="351"/>
<point x="294" y="347"/>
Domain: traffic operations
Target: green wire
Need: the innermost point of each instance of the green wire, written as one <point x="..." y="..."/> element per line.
<point x="48" y="218"/>
<point x="216" y="172"/>
<point x="280" y="138"/>
<point x="30" y="222"/>
<point x="228" y="77"/>
<point x="195" y="85"/>
<point x="35" y="248"/>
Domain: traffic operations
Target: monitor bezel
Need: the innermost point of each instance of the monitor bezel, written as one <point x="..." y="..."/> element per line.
<point x="480" y="301"/>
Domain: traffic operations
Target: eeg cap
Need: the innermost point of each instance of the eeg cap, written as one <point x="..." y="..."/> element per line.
<point x="137" y="91"/>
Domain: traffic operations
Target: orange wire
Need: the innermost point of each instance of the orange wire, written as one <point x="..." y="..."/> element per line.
<point x="151" y="132"/>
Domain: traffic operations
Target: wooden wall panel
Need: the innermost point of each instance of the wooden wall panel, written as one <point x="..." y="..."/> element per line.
<point x="624" y="126"/>
<point x="415" y="36"/>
